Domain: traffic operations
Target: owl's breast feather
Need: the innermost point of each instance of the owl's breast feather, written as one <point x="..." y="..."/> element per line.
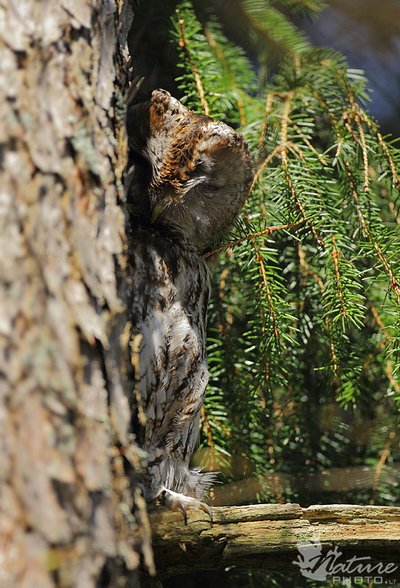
<point x="169" y="299"/>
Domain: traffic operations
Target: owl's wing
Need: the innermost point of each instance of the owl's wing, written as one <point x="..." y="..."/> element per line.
<point x="168" y="311"/>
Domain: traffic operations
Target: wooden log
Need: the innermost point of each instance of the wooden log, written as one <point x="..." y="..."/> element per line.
<point x="268" y="534"/>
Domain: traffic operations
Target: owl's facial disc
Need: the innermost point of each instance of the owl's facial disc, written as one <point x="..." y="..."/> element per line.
<point x="206" y="175"/>
<point x="213" y="203"/>
<point x="205" y="204"/>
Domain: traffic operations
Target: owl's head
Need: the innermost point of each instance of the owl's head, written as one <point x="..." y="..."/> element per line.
<point x="200" y="170"/>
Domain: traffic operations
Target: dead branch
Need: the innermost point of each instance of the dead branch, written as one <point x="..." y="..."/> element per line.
<point x="267" y="535"/>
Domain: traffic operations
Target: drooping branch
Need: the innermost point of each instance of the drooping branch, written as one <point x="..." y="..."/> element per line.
<point x="267" y="535"/>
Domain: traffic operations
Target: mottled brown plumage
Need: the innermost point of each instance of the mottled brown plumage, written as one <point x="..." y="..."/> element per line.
<point x="191" y="177"/>
<point x="199" y="169"/>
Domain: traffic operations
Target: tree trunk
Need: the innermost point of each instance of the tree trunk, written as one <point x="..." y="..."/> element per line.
<point x="69" y="514"/>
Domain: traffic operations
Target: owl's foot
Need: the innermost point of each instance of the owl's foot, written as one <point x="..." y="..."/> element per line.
<point x="180" y="502"/>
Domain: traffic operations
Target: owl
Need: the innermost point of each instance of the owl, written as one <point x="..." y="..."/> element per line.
<point x="191" y="177"/>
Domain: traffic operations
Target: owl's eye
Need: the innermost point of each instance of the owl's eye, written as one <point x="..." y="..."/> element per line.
<point x="203" y="166"/>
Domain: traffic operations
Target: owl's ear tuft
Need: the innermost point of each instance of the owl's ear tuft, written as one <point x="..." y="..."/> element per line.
<point x="166" y="112"/>
<point x="153" y="117"/>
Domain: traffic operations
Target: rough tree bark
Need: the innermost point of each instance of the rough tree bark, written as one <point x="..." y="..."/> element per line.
<point x="69" y="514"/>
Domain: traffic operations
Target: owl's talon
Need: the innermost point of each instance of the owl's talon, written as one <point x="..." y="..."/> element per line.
<point x="179" y="502"/>
<point x="208" y="510"/>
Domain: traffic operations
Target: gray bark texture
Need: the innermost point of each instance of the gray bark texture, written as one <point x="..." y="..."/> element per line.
<point x="69" y="511"/>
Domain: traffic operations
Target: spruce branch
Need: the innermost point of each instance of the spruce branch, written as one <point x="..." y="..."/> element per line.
<point x="231" y="76"/>
<point x="394" y="284"/>
<point x="265" y="232"/>
<point x="311" y="254"/>
<point x="265" y="284"/>
<point x="335" y="257"/>
<point x="183" y="44"/>
<point x="267" y="109"/>
<point x="307" y="270"/>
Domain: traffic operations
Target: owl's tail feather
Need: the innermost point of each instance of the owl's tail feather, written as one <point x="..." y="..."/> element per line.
<point x="176" y="476"/>
<point x="199" y="483"/>
<point x="195" y="483"/>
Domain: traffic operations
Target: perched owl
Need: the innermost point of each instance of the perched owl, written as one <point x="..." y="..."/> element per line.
<point x="191" y="177"/>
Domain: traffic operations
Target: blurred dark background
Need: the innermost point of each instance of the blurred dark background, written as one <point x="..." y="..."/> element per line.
<point x="368" y="33"/>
